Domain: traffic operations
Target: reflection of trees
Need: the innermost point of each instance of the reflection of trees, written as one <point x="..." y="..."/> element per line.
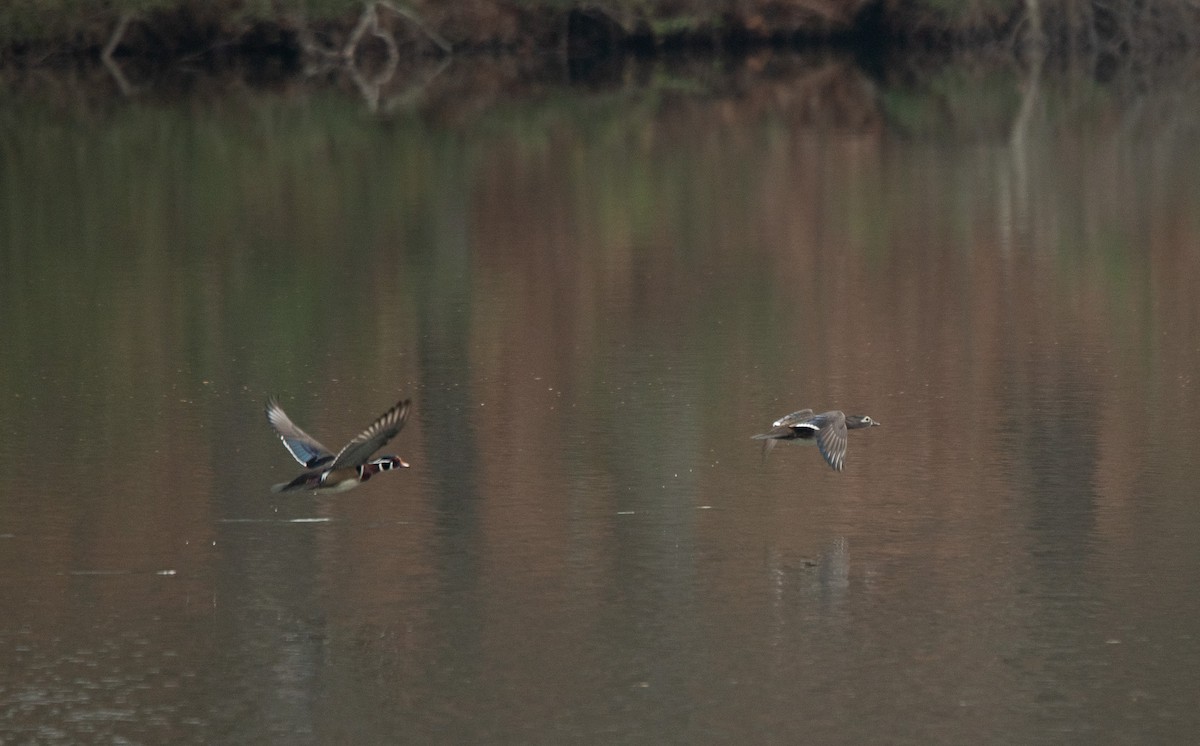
<point x="356" y="57"/>
<point x="452" y="441"/>
<point x="373" y="84"/>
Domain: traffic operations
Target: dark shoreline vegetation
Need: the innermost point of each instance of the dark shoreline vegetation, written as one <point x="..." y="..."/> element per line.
<point x="288" y="34"/>
<point x="975" y="73"/>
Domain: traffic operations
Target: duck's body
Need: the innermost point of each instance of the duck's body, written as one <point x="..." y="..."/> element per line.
<point x="339" y="480"/>
<point x="826" y="430"/>
<point x="351" y="466"/>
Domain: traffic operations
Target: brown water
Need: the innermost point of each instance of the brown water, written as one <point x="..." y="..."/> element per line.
<point x="594" y="299"/>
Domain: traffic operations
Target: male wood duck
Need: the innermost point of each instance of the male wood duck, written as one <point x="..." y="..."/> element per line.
<point x="827" y="430"/>
<point x="350" y="467"/>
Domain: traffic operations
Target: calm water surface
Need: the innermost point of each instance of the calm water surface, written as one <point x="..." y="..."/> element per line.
<point x="594" y="299"/>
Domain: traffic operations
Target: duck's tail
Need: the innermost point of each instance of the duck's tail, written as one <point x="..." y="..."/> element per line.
<point x="770" y="440"/>
<point x="307" y="481"/>
<point x="775" y="433"/>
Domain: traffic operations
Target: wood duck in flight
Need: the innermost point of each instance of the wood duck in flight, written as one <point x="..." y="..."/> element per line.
<point x="827" y="431"/>
<point x="351" y="466"/>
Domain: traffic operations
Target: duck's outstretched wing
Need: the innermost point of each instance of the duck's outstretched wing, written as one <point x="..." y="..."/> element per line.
<point x="303" y="447"/>
<point x="383" y="429"/>
<point x="831" y="438"/>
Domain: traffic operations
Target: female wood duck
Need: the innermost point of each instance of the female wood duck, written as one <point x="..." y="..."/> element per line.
<point x="827" y="430"/>
<point x="350" y="467"/>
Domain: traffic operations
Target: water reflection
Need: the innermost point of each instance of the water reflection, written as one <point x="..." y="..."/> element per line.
<point x="595" y="299"/>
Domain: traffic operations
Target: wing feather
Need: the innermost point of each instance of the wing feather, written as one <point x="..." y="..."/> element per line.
<point x="303" y="447"/>
<point x="383" y="429"/>
<point x="831" y="439"/>
<point x="793" y="419"/>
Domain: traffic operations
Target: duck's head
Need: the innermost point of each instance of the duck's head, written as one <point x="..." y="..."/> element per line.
<point x="386" y="463"/>
<point x="855" y="421"/>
